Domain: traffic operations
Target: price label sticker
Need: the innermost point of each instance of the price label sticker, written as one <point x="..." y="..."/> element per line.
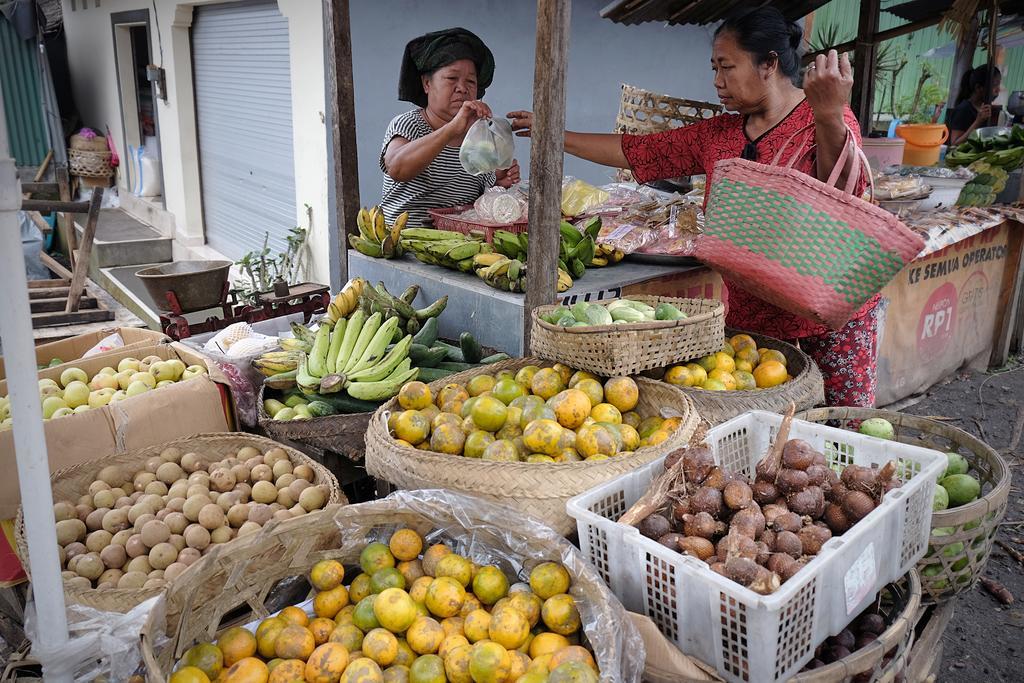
<point x="860" y="578"/>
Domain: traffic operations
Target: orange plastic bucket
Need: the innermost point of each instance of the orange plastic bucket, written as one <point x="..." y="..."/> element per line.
<point x="921" y="156"/>
<point x="923" y="134"/>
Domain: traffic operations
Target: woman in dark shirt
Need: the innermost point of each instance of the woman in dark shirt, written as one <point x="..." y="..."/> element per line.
<point x="973" y="109"/>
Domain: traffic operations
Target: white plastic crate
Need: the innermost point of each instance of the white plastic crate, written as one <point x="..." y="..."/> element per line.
<point x="747" y="637"/>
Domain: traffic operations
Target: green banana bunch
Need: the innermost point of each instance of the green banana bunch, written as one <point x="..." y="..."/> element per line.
<point x="276" y="362"/>
<point x="376" y="238"/>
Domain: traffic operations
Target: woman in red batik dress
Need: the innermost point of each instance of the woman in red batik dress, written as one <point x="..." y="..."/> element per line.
<point x="756" y="60"/>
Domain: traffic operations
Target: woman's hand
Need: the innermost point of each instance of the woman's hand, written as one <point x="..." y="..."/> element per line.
<point x="828" y="84"/>
<point x="522" y="122"/>
<point x="508" y="177"/>
<point x="470" y="112"/>
<point x="984" y="114"/>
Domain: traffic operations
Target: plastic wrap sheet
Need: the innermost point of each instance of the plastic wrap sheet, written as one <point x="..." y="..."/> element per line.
<point x="101" y="646"/>
<point x="494" y="534"/>
<point x="245" y="381"/>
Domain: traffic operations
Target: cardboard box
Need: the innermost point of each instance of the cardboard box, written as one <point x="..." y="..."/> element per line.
<point x="941" y="314"/>
<point x="72" y="349"/>
<point x="195" y="406"/>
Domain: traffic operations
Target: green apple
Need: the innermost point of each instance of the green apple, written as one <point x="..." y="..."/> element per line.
<point x="146" y="378"/>
<point x="161" y="370"/>
<point x="178" y="366"/>
<point x="82" y="409"/>
<point x="102" y="381"/>
<point x="128" y="364"/>
<point x="119" y="395"/>
<point x="100" y="397"/>
<point x="136" y="388"/>
<point x="51" y="405"/>
<point x="62" y="412"/>
<point x="76" y="394"/>
<point x="107" y="371"/>
<point x="164" y="383"/>
<point x="7" y="423"/>
<point x="124" y="378"/>
<point x="47" y="382"/>
<point x="193" y="371"/>
<point x="73" y="375"/>
<point x="146" y="363"/>
<point x="50" y="390"/>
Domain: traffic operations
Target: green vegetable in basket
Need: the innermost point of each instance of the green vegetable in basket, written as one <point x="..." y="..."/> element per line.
<point x="627" y="314"/>
<point x="941" y="499"/>
<point x="666" y="311"/>
<point x="597" y="314"/>
<point x="320" y="409"/>
<point x="957" y="464"/>
<point x="579" y="311"/>
<point x="962" y="489"/>
<point x="877" y="427"/>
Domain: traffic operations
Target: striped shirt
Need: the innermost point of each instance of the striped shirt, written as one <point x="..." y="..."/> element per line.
<point x="444" y="183"/>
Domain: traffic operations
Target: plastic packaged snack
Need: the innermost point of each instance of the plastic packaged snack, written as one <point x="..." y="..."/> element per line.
<point x="499" y="205"/>
<point x="578" y="196"/>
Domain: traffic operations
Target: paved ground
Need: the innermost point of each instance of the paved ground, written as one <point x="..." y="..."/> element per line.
<point x="985" y="639"/>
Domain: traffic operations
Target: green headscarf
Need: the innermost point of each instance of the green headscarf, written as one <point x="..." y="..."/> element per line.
<point x="435" y="50"/>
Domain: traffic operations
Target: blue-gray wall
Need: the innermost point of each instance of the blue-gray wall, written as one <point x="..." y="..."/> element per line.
<point x="667" y="59"/>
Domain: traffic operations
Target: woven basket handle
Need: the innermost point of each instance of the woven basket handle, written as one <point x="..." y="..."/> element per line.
<point x="858" y="161"/>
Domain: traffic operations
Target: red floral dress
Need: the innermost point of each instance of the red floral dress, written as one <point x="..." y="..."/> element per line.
<point x="848" y="357"/>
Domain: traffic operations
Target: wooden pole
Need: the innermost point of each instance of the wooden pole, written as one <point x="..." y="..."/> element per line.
<point x="864" y="64"/>
<point x="81" y="269"/>
<point x="966" y="44"/>
<point x="547" y="150"/>
<point x="344" y="158"/>
<point x="993" y="29"/>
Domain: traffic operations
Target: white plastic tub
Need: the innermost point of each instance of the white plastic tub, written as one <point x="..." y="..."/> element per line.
<point x="945" y="192"/>
<point x="749" y="637"/>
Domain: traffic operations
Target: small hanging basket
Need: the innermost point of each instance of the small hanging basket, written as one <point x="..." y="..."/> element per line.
<point x="89" y="164"/>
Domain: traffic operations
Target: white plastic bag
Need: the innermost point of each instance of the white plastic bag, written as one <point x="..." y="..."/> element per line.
<point x="499" y="205"/>
<point x="108" y="343"/>
<point x="488" y="146"/>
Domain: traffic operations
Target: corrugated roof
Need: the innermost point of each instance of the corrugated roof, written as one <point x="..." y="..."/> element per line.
<point x="699" y="11"/>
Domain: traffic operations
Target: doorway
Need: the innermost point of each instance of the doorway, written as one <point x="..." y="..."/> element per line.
<point x="139" y="121"/>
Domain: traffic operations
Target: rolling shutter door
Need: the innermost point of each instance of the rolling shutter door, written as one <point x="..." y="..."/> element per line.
<point x="244" y="118"/>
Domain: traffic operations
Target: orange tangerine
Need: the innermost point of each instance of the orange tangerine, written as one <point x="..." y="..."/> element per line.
<point x="595" y="440"/>
<point x="526" y="373"/>
<point x="425" y="636"/>
<point x="456" y="664"/>
<point x="348" y="635"/>
<point x="294" y="642"/>
<point x="501" y="450"/>
<point x="405" y="545"/>
<point x="571" y="407"/>
<point x="448" y="438"/>
<point x="432" y="556"/>
<point x="326" y="664"/>
<point x="560" y="614"/>
<point x="712" y="384"/>
<point x="480" y="384"/>
<point x="621" y="392"/>
<point x="490" y="584"/>
<point x="564" y="371"/>
<point x="709" y="362"/>
<point x="548" y="579"/>
<point x="489" y="662"/>
<point x="412" y="426"/>
<point x="328" y="603"/>
<point x="381" y="646"/>
<point x="699" y="373"/>
<point x="536" y="412"/>
<point x="542" y="436"/>
<point x="476" y="442"/>
<point x="445" y="597"/>
<point x="509" y="628"/>
<point x="288" y="670"/>
<point x="247" y="670"/>
<point x="728" y="349"/>
<point x="362" y="670"/>
<point x="410" y="570"/>
<point x="189" y="674"/>
<point x="394" y="609"/>
<point x="770" y="373"/>
<point x="573" y="653"/>
<point x="506" y="390"/>
<point x="476" y="625"/>
<point x="632" y="418"/>
<point x="680" y="376"/>
<point x="723" y="376"/>
<point x="414" y="396"/>
<point x="455" y="566"/>
<point x="606" y="412"/>
<point x="724" y="361"/>
<point x="206" y="657"/>
<point x="236" y="644"/>
<point x="489" y="413"/>
<point x="742" y="341"/>
<point x="547" y="643"/>
<point x="744" y="379"/>
<point x="546" y="383"/>
<point x="322" y="628"/>
<point x="744" y="366"/>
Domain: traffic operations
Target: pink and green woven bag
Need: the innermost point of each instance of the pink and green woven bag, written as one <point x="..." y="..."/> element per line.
<point x="802" y="244"/>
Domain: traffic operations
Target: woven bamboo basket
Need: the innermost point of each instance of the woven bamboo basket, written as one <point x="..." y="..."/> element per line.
<point x="611" y="350"/>
<point x="954" y="561"/>
<point x="643" y="111"/>
<point x="242" y="575"/>
<point x="805" y="390"/>
<point x="886" y="657"/>
<point x="89" y="164"/>
<point x="72" y="482"/>
<point x="538" y="489"/>
<point x="344" y="434"/>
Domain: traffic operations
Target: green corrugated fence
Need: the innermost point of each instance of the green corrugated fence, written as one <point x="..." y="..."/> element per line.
<point x="19" y="78"/>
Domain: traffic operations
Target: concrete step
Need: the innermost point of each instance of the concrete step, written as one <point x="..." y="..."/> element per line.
<point x="123" y="240"/>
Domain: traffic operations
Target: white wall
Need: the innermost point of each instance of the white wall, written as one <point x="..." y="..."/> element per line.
<point x="91" y="58"/>
<point x="673" y="60"/>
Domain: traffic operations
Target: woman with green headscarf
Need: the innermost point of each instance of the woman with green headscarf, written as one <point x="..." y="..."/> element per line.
<point x="444" y="74"/>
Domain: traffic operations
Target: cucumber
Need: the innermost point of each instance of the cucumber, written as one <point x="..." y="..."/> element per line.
<point x="320" y="408"/>
<point x="427" y="334"/>
<point x="495" y="358"/>
<point x="344" y="404"/>
<point x="417" y="352"/>
<point x="454" y="353"/>
<point x="429" y="375"/>
<point x="471" y="351"/>
<point x="433" y="357"/>
<point x="456" y="367"/>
